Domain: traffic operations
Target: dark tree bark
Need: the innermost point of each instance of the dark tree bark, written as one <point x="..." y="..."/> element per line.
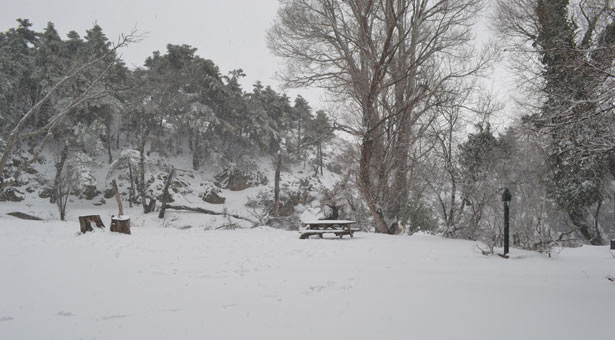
<point x="196" y="152"/>
<point x="364" y="177"/>
<point x="151" y="206"/>
<point x="165" y="193"/>
<point x="117" y="139"/>
<point x="85" y="222"/>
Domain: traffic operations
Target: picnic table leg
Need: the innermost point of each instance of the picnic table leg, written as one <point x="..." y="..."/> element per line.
<point x="349" y="231"/>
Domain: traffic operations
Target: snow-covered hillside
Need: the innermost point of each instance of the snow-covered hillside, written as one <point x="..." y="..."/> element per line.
<point x="251" y="197"/>
<point x="262" y="283"/>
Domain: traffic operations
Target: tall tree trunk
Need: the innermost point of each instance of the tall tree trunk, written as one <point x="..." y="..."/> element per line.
<point x="299" y="136"/>
<point x="196" y="151"/>
<point x="57" y="180"/>
<point x="117" y="138"/>
<point x="364" y="176"/>
<point x="108" y="141"/>
<point x="452" y="209"/>
<point x="61" y="190"/>
<point x="131" y="195"/>
<point x="190" y="137"/>
<point x="276" y="190"/>
<point x="63" y="200"/>
<point x="451" y="171"/>
<point x="320" y="158"/>
<point x="142" y="175"/>
<point x="597" y="228"/>
<point x="405" y="89"/>
<point x="166" y="197"/>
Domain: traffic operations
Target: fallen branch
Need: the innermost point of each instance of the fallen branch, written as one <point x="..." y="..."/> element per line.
<point x="24" y="216"/>
<point x="228" y="226"/>
<point x="209" y="212"/>
<point x="547" y="244"/>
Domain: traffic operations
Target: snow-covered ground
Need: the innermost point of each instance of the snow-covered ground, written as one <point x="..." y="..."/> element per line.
<point x="167" y="283"/>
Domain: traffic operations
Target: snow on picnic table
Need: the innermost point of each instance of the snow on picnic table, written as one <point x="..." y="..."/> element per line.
<point x="165" y="283"/>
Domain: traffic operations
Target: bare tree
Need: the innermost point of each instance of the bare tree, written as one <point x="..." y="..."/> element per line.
<point x="391" y="58"/>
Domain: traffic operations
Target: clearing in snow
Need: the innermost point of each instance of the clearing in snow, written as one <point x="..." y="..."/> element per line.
<point x="166" y="283"/>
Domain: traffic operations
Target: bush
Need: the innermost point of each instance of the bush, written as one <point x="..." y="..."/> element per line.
<point x="418" y="217"/>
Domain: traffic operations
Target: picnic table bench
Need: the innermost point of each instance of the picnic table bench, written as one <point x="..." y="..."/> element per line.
<point x="320" y="227"/>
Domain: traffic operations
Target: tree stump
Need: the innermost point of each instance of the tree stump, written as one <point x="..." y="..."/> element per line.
<point x="120" y="224"/>
<point x="85" y="222"/>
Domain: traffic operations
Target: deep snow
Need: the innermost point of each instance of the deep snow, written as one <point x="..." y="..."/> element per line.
<point x="166" y="283"/>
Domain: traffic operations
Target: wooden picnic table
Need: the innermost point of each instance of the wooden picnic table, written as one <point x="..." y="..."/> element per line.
<point x="320" y="227"/>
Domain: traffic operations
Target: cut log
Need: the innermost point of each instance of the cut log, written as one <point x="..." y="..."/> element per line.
<point x="120" y="224"/>
<point x="85" y="222"/>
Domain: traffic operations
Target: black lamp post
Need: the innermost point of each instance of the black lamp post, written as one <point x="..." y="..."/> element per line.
<point x="506" y="198"/>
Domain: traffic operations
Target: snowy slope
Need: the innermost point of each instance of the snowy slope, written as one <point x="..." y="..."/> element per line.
<point x="166" y="283"/>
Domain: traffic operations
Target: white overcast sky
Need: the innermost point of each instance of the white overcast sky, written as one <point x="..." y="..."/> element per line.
<point x="229" y="32"/>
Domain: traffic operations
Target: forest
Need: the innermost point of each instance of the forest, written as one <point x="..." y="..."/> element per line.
<point x="411" y="140"/>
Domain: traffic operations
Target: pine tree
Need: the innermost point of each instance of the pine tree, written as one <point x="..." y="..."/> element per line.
<point x="301" y="112"/>
<point x="318" y="131"/>
<point x="478" y="159"/>
<point x="17" y="87"/>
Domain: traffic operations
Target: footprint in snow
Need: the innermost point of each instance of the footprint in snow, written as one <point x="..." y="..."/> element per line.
<point x="65" y="314"/>
<point x="111" y="317"/>
<point x="328" y="285"/>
